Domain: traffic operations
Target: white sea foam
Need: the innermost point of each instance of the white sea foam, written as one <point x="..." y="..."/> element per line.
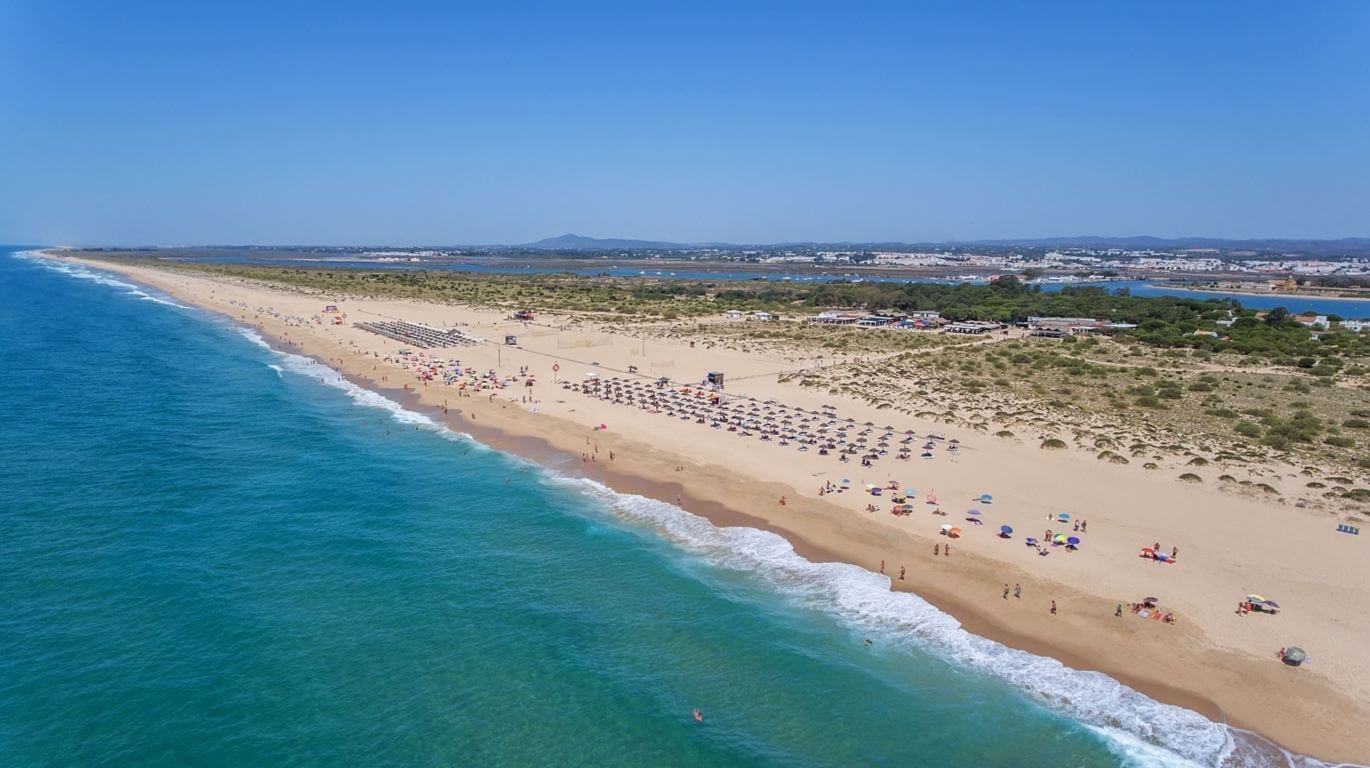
<point x="82" y="272"/>
<point x="304" y="366"/>
<point x="1138" y="729"/>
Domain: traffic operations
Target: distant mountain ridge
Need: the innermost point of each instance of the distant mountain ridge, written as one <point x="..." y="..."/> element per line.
<point x="574" y="242"/>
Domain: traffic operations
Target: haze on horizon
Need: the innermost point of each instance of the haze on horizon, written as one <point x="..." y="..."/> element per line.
<point x="162" y="123"/>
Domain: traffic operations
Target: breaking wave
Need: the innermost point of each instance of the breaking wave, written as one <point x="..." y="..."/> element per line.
<point x="82" y="272"/>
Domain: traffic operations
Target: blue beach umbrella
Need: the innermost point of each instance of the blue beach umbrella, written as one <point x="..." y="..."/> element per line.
<point x="974" y="512"/>
<point x="1063" y="517"/>
<point x="1073" y="541"/>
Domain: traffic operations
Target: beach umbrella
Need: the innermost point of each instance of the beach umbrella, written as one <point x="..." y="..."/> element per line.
<point x="1271" y="604"/>
<point x="1073" y="541"/>
<point x="985" y="498"/>
<point x="1063" y="517"/>
<point x="973" y="512"/>
<point x="1295" y="655"/>
<point x="1031" y="541"/>
<point x="954" y="532"/>
<point x="1059" y="538"/>
<point x="1255" y="599"/>
<point x="946" y="527"/>
<point x="1006" y="529"/>
<point x="1152" y="599"/>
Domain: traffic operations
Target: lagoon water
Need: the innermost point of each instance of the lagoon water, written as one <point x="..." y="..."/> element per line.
<point x="1351" y="309"/>
<point x="215" y="554"/>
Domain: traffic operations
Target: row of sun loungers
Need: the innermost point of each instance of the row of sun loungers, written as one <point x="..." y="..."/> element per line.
<point x="823" y="431"/>
<point x="419" y="335"/>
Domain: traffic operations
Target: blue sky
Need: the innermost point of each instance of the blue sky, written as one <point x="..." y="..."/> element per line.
<point x="443" y="123"/>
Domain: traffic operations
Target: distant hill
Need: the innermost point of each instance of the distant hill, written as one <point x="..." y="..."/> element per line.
<point x="573" y="242"/>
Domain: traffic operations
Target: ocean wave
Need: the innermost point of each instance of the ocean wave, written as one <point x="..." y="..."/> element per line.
<point x="1137" y="728"/>
<point x="313" y="369"/>
<point x="82" y="272"/>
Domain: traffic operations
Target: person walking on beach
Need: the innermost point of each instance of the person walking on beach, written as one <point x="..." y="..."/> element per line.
<point x="1005" y="591"/>
<point x="882" y="567"/>
<point x="1084" y="526"/>
<point x="1118" y="612"/>
<point x="946" y="551"/>
<point x="1053" y="607"/>
<point x="1018" y="591"/>
<point x="1174" y="552"/>
<point x="936" y="550"/>
<point x="901" y="573"/>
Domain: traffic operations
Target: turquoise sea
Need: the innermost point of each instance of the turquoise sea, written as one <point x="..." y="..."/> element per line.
<point x="215" y="554"/>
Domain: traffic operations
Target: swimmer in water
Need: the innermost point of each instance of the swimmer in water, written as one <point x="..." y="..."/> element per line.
<point x="699" y="716"/>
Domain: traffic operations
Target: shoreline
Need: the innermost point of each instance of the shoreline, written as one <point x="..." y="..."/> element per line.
<point x="811" y="526"/>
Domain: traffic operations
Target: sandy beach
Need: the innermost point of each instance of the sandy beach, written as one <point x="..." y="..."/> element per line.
<point x="1211" y="659"/>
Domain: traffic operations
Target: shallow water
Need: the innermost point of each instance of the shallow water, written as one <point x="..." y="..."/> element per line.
<point x="217" y="554"/>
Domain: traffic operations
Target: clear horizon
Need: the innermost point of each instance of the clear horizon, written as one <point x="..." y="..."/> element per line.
<point x="157" y="123"/>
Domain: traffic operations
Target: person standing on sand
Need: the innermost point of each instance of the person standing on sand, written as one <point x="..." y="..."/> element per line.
<point x="882" y="567"/>
<point x="901" y="573"/>
<point x="946" y="550"/>
<point x="1018" y="591"/>
<point x="1118" y="612"/>
<point x="1084" y="526"/>
<point x="936" y="550"/>
<point x="1174" y="552"/>
<point x="1053" y="607"/>
<point x="1005" y="591"/>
